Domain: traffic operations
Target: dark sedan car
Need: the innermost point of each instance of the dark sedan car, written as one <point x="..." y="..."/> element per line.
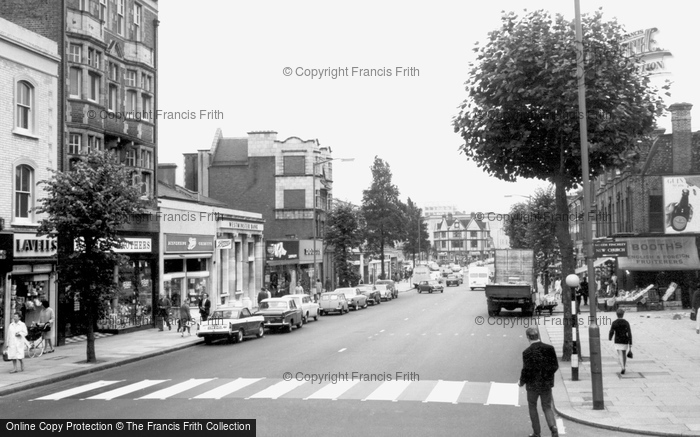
<point x="430" y="286"/>
<point x="452" y="280"/>
<point x="374" y="297"/>
<point x="280" y="313"/>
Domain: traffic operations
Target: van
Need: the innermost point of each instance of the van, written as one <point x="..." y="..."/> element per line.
<point x="478" y="277"/>
<point x="420" y="273"/>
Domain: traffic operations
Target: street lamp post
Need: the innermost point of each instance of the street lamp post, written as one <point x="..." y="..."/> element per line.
<point x="593" y="328"/>
<point x="313" y="195"/>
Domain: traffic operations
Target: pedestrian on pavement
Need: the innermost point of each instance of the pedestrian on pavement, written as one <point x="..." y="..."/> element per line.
<point x="696" y="306"/>
<point x="204" y="307"/>
<point x="14" y="343"/>
<point x="557" y="288"/>
<point x="163" y="305"/>
<point x="263" y="294"/>
<point x="584" y="290"/>
<point x="46" y="318"/>
<point x="299" y="289"/>
<point x="539" y="366"/>
<point x="319" y="289"/>
<point x="185" y="318"/>
<point x="620" y="328"/>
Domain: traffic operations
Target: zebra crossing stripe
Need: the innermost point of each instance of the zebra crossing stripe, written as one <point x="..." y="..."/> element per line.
<point x="228" y="388"/>
<point x="175" y="389"/>
<point x="503" y="394"/>
<point x="446" y="391"/>
<point x="76" y="391"/>
<point x="333" y="391"/>
<point x="107" y="396"/>
<point x="388" y="391"/>
<point x="277" y="390"/>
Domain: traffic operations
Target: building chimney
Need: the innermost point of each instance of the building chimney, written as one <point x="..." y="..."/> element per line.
<point x="166" y="173"/>
<point x="682" y="137"/>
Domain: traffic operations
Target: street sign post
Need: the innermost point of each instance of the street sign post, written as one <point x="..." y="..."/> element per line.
<point x="602" y="249"/>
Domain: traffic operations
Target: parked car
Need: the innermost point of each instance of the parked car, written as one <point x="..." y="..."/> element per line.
<point x="309" y="308"/>
<point x="373" y="296"/>
<point x="430" y="286"/>
<point x="384" y="291"/>
<point x="390" y="284"/>
<point x="231" y="323"/>
<point x="280" y="313"/>
<point x="332" y="302"/>
<point x="452" y="280"/>
<point x="354" y="297"/>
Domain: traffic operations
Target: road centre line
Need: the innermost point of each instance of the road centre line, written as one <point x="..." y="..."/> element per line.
<point x="343" y="349"/>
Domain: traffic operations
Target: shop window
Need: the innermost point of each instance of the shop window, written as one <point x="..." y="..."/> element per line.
<point x="133" y="303"/>
<point x="173" y="265"/>
<point x="196" y="264"/>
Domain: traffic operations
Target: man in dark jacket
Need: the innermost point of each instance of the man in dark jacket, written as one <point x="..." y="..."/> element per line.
<point x="539" y="366"/>
<point x="204" y="307"/>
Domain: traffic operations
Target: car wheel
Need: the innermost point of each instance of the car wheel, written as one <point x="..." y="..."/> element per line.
<point x="442" y="291"/>
<point x="239" y="336"/>
<point x="261" y="331"/>
<point x="430" y="291"/>
<point x="207" y="340"/>
<point x="300" y="324"/>
<point x="365" y="305"/>
<point x="419" y="291"/>
<point x="316" y="317"/>
<point x="289" y="328"/>
<point x="472" y="288"/>
<point x="305" y="319"/>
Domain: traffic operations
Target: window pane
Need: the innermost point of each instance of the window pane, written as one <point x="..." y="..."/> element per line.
<point x="76" y="76"/>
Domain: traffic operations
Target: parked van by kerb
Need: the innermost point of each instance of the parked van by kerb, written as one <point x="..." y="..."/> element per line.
<point x="478" y="277"/>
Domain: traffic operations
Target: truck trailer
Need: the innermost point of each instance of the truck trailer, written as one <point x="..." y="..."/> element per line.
<point x="514" y="282"/>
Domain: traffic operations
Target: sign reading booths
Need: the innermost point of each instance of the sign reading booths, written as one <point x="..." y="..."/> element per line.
<point x="660" y="253"/>
<point x="306" y="251"/>
<point x="282" y="250"/>
<point x="681" y="200"/>
<point x="180" y="243"/>
<point x="31" y="246"/>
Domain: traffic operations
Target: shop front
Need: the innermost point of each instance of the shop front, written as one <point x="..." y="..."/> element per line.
<point x="281" y="265"/>
<point x="28" y="266"/>
<point x="305" y="272"/>
<point x="239" y="260"/>
<point x="131" y="308"/>
<point x="187" y="262"/>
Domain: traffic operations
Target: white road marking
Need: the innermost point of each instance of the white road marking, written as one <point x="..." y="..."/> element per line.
<point x="77" y="390"/>
<point x="343" y="349"/>
<point x="560" y="426"/>
<point x="423" y="333"/>
<point x="503" y="394"/>
<point x="388" y="391"/>
<point x="175" y="389"/>
<point x="228" y="388"/>
<point x="333" y="391"/>
<point x="107" y="396"/>
<point x="405" y="319"/>
<point x="277" y="390"/>
<point x="446" y="391"/>
<point x="382" y="330"/>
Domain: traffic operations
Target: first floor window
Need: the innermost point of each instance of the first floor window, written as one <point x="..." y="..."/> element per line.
<point x="146" y="183"/>
<point x="130" y="159"/>
<point x="94" y="143"/>
<point x="74" y="144"/>
<point x="23" y="191"/>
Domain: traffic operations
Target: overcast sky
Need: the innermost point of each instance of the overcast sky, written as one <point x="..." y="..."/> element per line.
<point x="231" y="56"/>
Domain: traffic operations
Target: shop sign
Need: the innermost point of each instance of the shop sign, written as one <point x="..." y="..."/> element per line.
<point x="281" y="250"/>
<point x="127" y="245"/>
<point x="660" y="253"/>
<point x="681" y="199"/>
<point x="602" y="249"/>
<point x="224" y="244"/>
<point x="184" y="243"/>
<point x="31" y="246"/>
<point x="306" y="251"/>
<point x="242" y="225"/>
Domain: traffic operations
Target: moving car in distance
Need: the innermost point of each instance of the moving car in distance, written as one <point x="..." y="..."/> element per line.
<point x="333" y="302"/>
<point x="373" y="296"/>
<point x="478" y="277"/>
<point x="391" y="285"/>
<point x="384" y="292"/>
<point x="231" y="323"/>
<point x="430" y="286"/>
<point x="280" y="313"/>
<point x="309" y="308"/>
<point x="354" y="297"/>
<point x="452" y="280"/>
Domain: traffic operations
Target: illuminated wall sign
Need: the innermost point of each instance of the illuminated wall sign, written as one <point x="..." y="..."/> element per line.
<point x="31" y="246"/>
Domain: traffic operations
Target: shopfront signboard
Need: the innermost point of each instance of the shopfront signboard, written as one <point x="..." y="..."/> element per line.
<point x="306" y="251"/>
<point x="245" y="226"/>
<point x="224" y="244"/>
<point x="681" y="204"/>
<point x="32" y="246"/>
<point x="186" y="243"/>
<point x="276" y="250"/>
<point x="127" y="245"/>
<point x="660" y="253"/>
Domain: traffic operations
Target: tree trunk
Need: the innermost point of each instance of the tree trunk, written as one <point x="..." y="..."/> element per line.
<point x="91" y="356"/>
<point x="567" y="260"/>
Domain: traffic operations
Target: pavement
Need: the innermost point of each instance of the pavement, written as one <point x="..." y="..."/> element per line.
<point x="659" y="394"/>
<point x="69" y="361"/>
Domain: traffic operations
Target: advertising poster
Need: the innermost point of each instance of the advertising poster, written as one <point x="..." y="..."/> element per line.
<point x="681" y="204"/>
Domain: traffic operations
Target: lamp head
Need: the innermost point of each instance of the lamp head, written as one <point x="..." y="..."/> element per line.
<point x="572" y="280"/>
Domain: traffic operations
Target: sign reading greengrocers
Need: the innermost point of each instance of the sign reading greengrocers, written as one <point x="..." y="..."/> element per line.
<point x="183" y="243"/>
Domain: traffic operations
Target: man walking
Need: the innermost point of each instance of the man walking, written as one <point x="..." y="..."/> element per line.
<point x="204" y="307"/>
<point x="539" y="366"/>
<point x="163" y="306"/>
<point x="264" y="294"/>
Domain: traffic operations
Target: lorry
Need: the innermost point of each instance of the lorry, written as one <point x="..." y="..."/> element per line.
<point x="514" y="282"/>
<point x="421" y="273"/>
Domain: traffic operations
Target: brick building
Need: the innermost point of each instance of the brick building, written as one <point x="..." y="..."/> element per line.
<point x="106" y="99"/>
<point x="635" y="204"/>
<point x="28" y="85"/>
<point x="259" y="173"/>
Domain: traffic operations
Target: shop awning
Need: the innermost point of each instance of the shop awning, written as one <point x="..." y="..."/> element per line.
<point x="596" y="263"/>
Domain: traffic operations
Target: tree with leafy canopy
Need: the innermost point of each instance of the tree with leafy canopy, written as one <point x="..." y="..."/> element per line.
<point x="85" y="207"/>
<point x="416" y="231"/>
<point x="344" y="233"/>
<point x="521" y="118"/>
<point x="381" y="207"/>
<point x="515" y="226"/>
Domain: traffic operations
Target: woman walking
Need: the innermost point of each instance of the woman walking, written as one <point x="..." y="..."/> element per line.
<point x="46" y="319"/>
<point x="185" y="320"/>
<point x="14" y="343"/>
<point x="623" y="338"/>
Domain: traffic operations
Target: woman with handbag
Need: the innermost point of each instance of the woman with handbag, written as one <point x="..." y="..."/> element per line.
<point x="46" y="318"/>
<point x="620" y="328"/>
<point x="14" y="343"/>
